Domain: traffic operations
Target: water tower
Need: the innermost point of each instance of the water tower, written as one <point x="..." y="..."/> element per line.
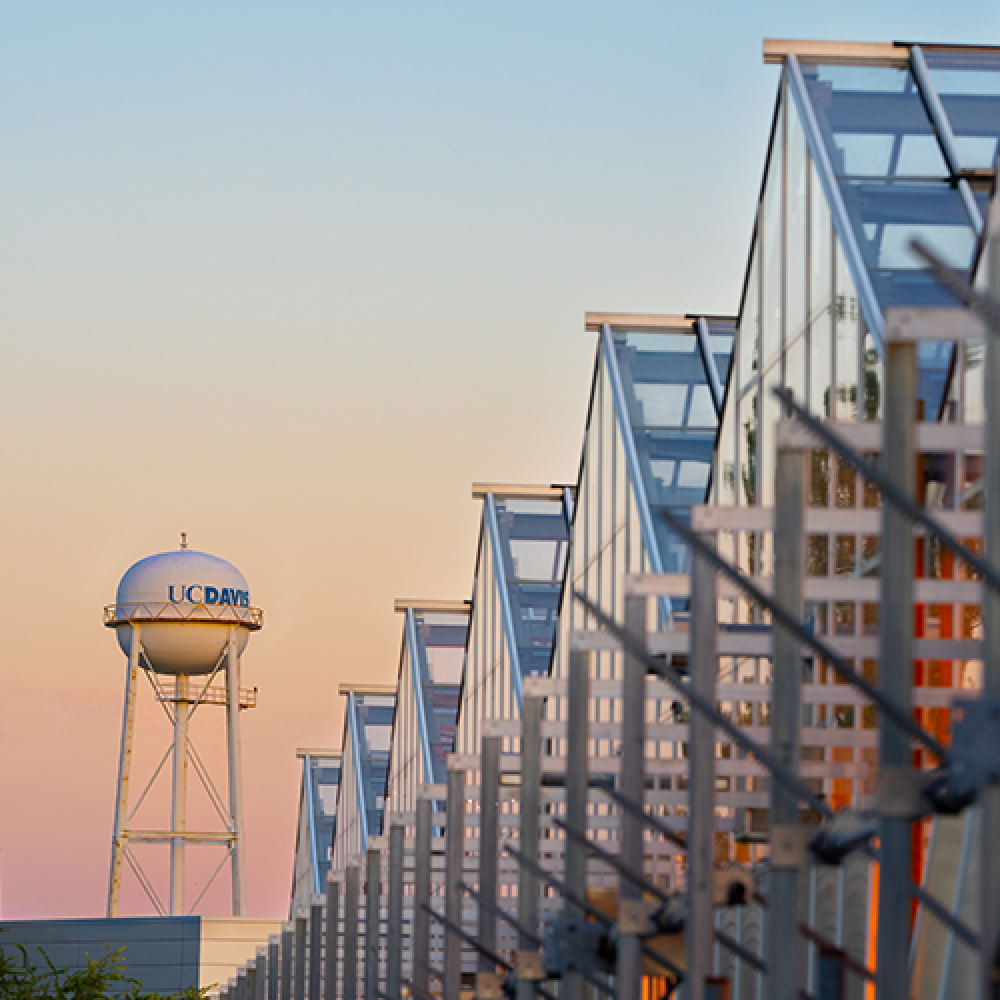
<point x="183" y="619"/>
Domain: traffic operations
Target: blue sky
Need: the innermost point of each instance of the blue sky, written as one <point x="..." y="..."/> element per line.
<point x="291" y="277"/>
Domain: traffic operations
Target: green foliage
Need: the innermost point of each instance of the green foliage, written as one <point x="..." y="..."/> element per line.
<point x="100" y="980"/>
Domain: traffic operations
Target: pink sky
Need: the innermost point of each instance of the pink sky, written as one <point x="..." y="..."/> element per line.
<point x="291" y="278"/>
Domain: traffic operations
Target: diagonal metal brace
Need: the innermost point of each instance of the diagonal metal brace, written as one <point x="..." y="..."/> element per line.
<point x="611" y="859"/>
<point x="741" y="951"/>
<point x="453" y="928"/>
<point x="679" y="839"/>
<point x="824" y="942"/>
<point x="953" y="922"/>
<point x="849" y="961"/>
<point x="984" y="306"/>
<point x="500" y="914"/>
<point x="625" y="872"/>
<point x="889" y="490"/>
<point x="672" y="676"/>
<point x="790" y="781"/>
<point x="481" y="948"/>
<point x="591" y="911"/>
<point x="615" y="862"/>
<point x="560" y="886"/>
<point x="804" y="635"/>
<point x="571" y="897"/>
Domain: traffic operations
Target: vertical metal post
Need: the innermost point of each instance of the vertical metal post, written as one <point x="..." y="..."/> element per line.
<point x="422" y="860"/>
<point x="990" y="795"/>
<point x="273" y="966"/>
<point x="527" y="884"/>
<point x="287" y="946"/>
<point x="394" y="940"/>
<point x="332" y="938"/>
<point x="299" y="984"/>
<point x="454" y="851"/>
<point x="832" y="980"/>
<point x="250" y="989"/>
<point x="118" y="838"/>
<point x="577" y="774"/>
<point x="178" y="812"/>
<point x="785" y="711"/>
<point x="700" y="935"/>
<point x="351" y="880"/>
<point x="372" y="924"/>
<point x="489" y="834"/>
<point x="316" y="949"/>
<point x="895" y="675"/>
<point x="235" y="775"/>
<point x="261" y="982"/>
<point x="633" y="786"/>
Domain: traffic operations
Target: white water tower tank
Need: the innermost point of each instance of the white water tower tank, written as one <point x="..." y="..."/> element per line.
<point x="187" y="602"/>
<point x="183" y="613"/>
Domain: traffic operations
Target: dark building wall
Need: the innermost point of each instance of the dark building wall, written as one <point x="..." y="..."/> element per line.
<point x="163" y="953"/>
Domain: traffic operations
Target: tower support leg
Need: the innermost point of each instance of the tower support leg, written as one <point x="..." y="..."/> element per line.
<point x="178" y="821"/>
<point x="235" y="775"/>
<point x="118" y="842"/>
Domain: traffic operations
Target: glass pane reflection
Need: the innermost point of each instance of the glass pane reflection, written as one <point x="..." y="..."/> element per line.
<point x="874" y="122"/>
<point x="893" y="177"/>
<point x="534" y="537"/>
<point x="969" y="86"/>
<point x="673" y="421"/>
<point x="374" y="720"/>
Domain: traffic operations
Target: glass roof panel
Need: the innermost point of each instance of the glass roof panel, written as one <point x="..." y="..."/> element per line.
<point x="892" y="175"/>
<point x="874" y="121"/>
<point x="673" y="420"/>
<point x="721" y="335"/>
<point x="441" y="656"/>
<point x="934" y="360"/>
<point x="324" y="777"/>
<point x="374" y="722"/>
<point x="534" y="539"/>
<point x="887" y="215"/>
<point x="968" y="84"/>
<point x="679" y="464"/>
<point x="441" y="703"/>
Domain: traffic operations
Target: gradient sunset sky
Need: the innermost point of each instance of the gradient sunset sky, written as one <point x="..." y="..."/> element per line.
<point x="290" y="277"/>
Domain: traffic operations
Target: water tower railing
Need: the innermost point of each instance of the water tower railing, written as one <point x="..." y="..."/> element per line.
<point x="182" y="611"/>
<point x="215" y="694"/>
